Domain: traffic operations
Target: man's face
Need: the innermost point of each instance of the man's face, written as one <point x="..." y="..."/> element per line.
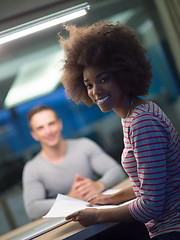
<point x="46" y="128"/>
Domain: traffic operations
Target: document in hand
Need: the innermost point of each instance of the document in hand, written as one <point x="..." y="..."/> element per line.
<point x="65" y="205"/>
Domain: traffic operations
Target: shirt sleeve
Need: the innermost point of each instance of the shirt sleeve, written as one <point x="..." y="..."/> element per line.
<point x="34" y="195"/>
<point x="149" y="138"/>
<point x="109" y="170"/>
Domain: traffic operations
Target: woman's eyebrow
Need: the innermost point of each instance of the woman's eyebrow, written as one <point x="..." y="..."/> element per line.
<point x="100" y="74"/>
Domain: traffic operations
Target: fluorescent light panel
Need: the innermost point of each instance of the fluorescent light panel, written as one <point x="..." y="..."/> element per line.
<point x="36" y="78"/>
<point x="43" y="23"/>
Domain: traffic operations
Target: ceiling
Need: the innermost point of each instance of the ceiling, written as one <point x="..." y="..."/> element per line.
<point x="22" y="60"/>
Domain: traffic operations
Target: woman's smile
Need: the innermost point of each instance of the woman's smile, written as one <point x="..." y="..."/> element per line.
<point x="102" y="100"/>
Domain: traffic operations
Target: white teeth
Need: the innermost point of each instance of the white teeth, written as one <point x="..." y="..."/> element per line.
<point x="102" y="100"/>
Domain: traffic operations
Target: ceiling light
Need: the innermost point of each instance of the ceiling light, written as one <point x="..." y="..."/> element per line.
<point x="43" y="23"/>
<point x="36" y="78"/>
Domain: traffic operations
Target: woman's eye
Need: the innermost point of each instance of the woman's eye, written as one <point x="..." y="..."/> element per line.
<point x="89" y="86"/>
<point x="104" y="80"/>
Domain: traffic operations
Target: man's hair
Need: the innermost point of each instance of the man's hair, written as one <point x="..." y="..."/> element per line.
<point x="38" y="109"/>
<point x="109" y="46"/>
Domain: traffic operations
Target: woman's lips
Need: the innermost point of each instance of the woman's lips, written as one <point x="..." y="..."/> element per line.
<point x="102" y="100"/>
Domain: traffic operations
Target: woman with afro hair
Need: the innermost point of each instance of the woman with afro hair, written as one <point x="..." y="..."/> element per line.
<point x="105" y="64"/>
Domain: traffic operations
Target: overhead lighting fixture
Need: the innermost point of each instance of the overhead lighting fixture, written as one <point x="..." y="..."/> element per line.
<point x="43" y="23"/>
<point x="36" y="78"/>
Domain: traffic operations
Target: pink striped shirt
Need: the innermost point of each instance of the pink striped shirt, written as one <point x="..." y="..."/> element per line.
<point x="151" y="158"/>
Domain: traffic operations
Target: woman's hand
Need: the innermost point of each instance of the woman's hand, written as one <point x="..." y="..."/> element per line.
<point x="121" y="196"/>
<point x="100" y="199"/>
<point x="90" y="216"/>
<point x="86" y="217"/>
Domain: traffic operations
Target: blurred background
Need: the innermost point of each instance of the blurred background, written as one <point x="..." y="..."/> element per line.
<point x="30" y="75"/>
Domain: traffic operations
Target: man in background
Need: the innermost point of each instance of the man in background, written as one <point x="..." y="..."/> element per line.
<point x="78" y="168"/>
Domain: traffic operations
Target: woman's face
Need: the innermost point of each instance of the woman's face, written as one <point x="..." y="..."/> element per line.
<point x="103" y="89"/>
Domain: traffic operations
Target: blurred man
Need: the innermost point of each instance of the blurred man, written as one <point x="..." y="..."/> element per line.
<point x="78" y="168"/>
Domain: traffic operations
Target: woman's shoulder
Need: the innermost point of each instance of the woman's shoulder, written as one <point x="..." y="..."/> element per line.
<point x="149" y="115"/>
<point x="150" y="110"/>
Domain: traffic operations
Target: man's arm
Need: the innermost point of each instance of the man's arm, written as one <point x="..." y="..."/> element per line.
<point x="35" y="202"/>
<point x="109" y="170"/>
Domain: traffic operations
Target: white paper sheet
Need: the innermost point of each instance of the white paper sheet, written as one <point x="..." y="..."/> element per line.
<point x="65" y="205"/>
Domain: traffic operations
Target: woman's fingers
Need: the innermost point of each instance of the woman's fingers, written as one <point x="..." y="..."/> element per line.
<point x="72" y="216"/>
<point x="85" y="217"/>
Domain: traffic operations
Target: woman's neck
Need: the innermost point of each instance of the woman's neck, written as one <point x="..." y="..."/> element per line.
<point x="128" y="105"/>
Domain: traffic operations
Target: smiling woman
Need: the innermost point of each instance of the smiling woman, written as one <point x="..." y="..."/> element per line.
<point x="107" y="65"/>
<point x="102" y="89"/>
<point x="122" y="57"/>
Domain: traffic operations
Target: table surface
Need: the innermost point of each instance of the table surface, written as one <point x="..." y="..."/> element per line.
<point x="68" y="229"/>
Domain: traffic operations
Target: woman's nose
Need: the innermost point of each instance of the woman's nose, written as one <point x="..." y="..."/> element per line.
<point x="97" y="89"/>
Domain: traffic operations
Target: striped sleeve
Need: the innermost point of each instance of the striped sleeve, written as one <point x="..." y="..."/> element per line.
<point x="149" y="138"/>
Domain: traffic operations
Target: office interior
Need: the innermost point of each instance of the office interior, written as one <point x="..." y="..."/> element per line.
<point x="30" y="72"/>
